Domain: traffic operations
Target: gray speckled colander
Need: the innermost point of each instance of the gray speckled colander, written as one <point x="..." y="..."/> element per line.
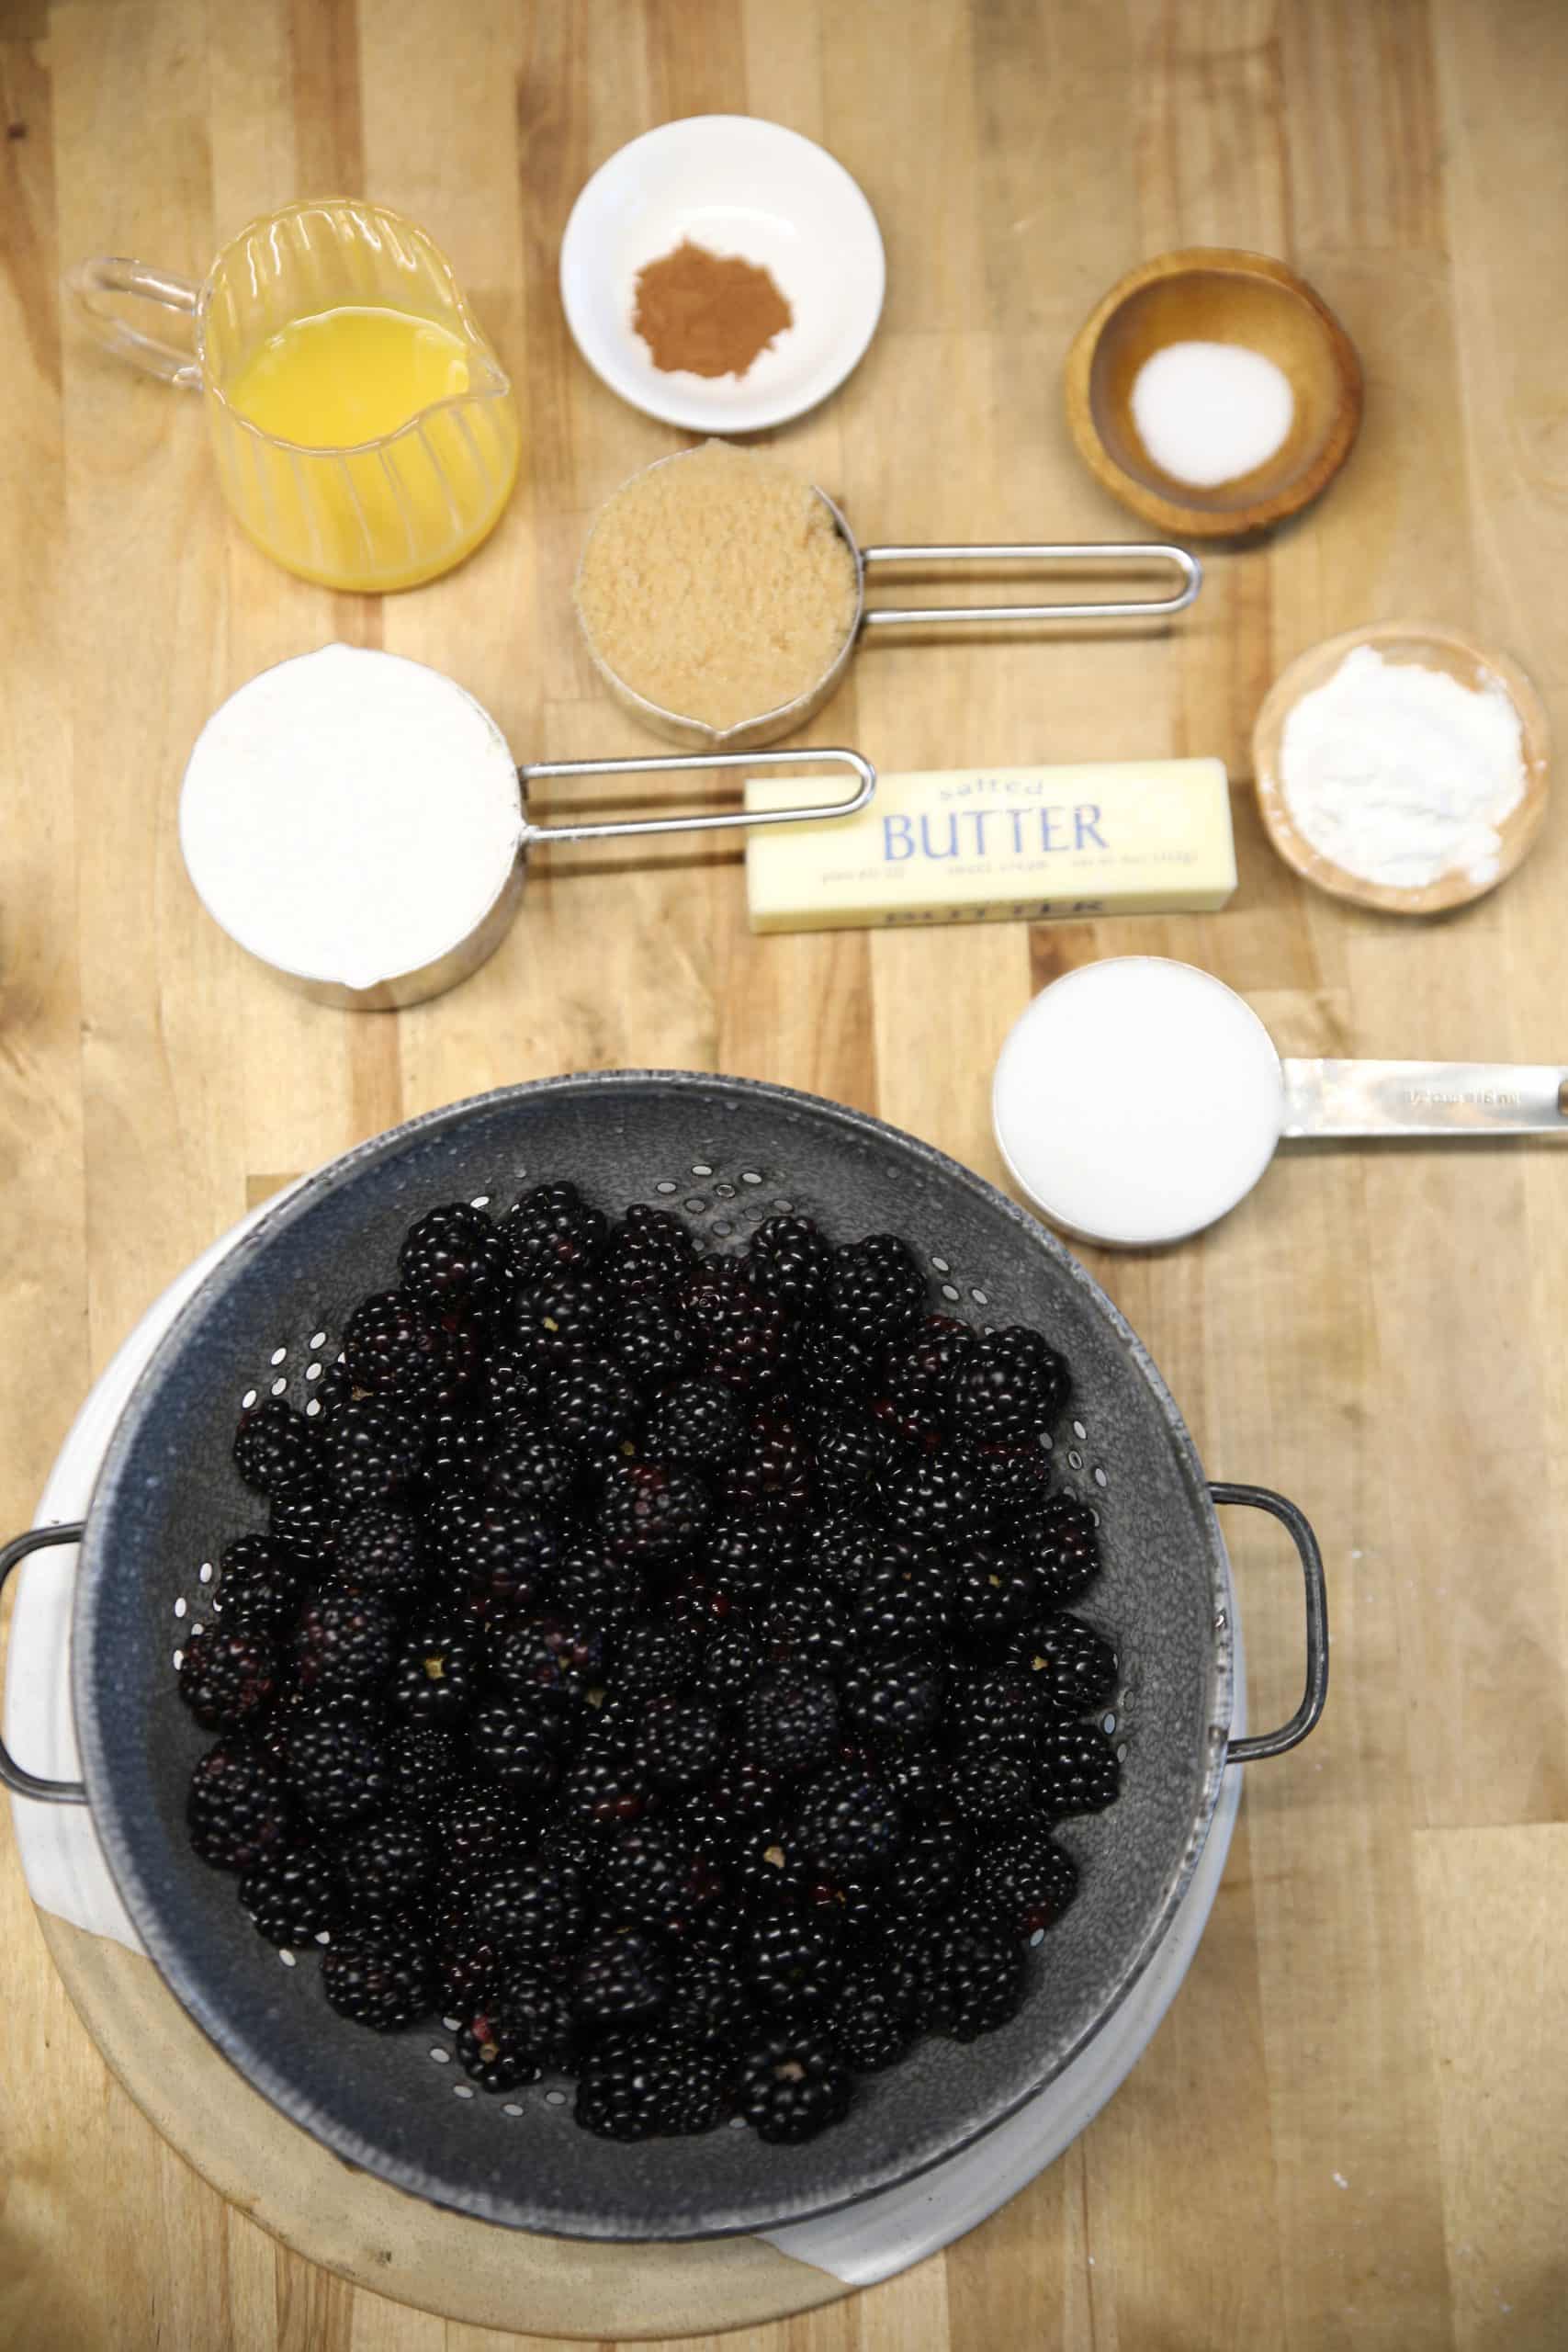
<point x="724" y="1153"/>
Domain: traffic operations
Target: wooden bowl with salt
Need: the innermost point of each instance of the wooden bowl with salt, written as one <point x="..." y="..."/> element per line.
<point x="1474" y="667"/>
<point x="1214" y="295"/>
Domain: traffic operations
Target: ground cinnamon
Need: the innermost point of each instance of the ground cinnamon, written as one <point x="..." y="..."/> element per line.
<point x="709" y="314"/>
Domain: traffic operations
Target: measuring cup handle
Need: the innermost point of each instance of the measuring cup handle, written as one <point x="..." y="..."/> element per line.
<point x="674" y="763"/>
<point x="104" y="274"/>
<point x="1116" y="555"/>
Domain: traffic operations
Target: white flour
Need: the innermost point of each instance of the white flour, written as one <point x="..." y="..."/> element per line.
<point x="350" y="816"/>
<point x="1399" y="774"/>
<point x="1209" y="412"/>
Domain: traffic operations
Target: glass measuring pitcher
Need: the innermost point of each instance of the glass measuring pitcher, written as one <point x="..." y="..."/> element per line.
<point x="382" y="511"/>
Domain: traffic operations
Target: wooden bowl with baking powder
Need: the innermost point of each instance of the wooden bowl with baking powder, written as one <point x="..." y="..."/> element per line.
<point x="1431" y="648"/>
<point x="1214" y="294"/>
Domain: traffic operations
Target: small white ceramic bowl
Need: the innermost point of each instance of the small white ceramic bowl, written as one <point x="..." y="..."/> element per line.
<point x="736" y="185"/>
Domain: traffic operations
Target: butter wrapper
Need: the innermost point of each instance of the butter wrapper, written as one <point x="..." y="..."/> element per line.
<point x="996" y="845"/>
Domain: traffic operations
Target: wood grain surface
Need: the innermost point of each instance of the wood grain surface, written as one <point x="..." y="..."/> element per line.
<point x="1351" y="2131"/>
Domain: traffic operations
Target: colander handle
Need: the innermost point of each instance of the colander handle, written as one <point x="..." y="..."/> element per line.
<point x="700" y="822"/>
<point x="11" y="1776"/>
<point x="1299" y="1529"/>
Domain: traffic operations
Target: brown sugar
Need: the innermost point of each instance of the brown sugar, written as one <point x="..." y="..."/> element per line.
<point x="717" y="585"/>
<point x="709" y="314"/>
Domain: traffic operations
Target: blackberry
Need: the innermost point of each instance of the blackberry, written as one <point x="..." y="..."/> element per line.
<point x="506" y="1554"/>
<point x="793" y="2084"/>
<point x="1081" y="1665"/>
<point x="623" y="2089"/>
<point x="228" y="1674"/>
<point x="372" y="1449"/>
<point x="600" y="1594"/>
<point x="655" y="1659"/>
<point x="989" y="1787"/>
<point x="605" y="1788"/>
<point x="1062" y="1544"/>
<point x="710" y="2007"/>
<point x="743" y="1337"/>
<point x="873" y="2014"/>
<point x="258" y="1581"/>
<point x="994" y="1593"/>
<point x="513" y="1381"/>
<point x="841" y="1549"/>
<point x="1075" y="1770"/>
<point x="921" y="1365"/>
<point x="790" y="1723"/>
<point x="1024" y="1882"/>
<point x="335" y="1765"/>
<point x="931" y="1866"/>
<point x="997" y="1712"/>
<point x="894" y="1700"/>
<point x="652" y="1342"/>
<point x="397" y="1346"/>
<point x="303" y="1525"/>
<point x="523" y="2027"/>
<point x="917" y="1776"/>
<point x="425" y="1767"/>
<point x="1013" y="1387"/>
<point x="343" y="1641"/>
<point x="565" y="1318"/>
<point x="836" y="1368"/>
<point x="790" y="1262"/>
<point x="384" y="1863"/>
<point x="453" y="1255"/>
<point x="742" y="1789"/>
<point x="594" y="1407"/>
<point x="380" y="1977"/>
<point x="650" y="1250"/>
<point x="681" y="1743"/>
<point x="378" y="1550"/>
<point x="741" y="1552"/>
<point x="926" y="1499"/>
<point x="528" y="1909"/>
<point x="436" y="1680"/>
<point x="652" y="1878"/>
<point x="274" y="1448"/>
<point x="792" y="1961"/>
<point x="850" y="1823"/>
<point x="731" y="1662"/>
<point x="764" y="1869"/>
<point x="526" y="1469"/>
<point x="775" y="1474"/>
<point x="455" y="1443"/>
<point x="699" y="1422"/>
<point x="652" y="1512"/>
<point x="621" y="1979"/>
<point x="552" y="1230"/>
<point x="1012" y="1480"/>
<point x="851" y="1450"/>
<point x="971" y="1979"/>
<point x="292" y="1897"/>
<point x="477" y="1825"/>
<point x="522" y="1741"/>
<point x="237" y="1810"/>
<point x="902" y="1602"/>
<point x="810" y="1629"/>
<point x="877" y="1287"/>
<point x="552" y="1655"/>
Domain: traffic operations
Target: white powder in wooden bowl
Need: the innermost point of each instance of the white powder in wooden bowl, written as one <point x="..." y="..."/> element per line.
<point x="716" y="585"/>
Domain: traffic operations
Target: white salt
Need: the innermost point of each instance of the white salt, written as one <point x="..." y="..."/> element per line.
<point x="1209" y="412"/>
<point x="350" y="816"/>
<point x="1398" y="774"/>
<point x="1137" y="1100"/>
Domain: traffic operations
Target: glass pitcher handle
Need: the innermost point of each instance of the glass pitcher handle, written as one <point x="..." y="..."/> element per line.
<point x="113" y="274"/>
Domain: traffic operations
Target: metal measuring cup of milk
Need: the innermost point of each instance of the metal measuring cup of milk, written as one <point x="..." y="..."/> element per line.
<point x="767" y="726"/>
<point x="321" y="859"/>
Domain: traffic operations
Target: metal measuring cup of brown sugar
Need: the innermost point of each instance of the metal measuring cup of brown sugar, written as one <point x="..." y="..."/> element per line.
<point x="768" y="726"/>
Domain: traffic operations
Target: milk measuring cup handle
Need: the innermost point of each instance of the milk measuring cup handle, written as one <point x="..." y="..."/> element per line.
<point x="1111" y="557"/>
<point x="694" y="822"/>
<point x="105" y="274"/>
<point x="1452" y="1100"/>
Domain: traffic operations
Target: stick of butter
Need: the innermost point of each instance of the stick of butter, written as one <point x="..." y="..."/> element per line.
<point x="996" y="845"/>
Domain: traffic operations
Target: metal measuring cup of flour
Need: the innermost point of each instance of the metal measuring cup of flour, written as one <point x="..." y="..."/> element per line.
<point x="767" y="726"/>
<point x="372" y="883"/>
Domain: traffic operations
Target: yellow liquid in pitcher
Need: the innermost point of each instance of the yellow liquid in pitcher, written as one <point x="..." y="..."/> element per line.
<point x="390" y="516"/>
